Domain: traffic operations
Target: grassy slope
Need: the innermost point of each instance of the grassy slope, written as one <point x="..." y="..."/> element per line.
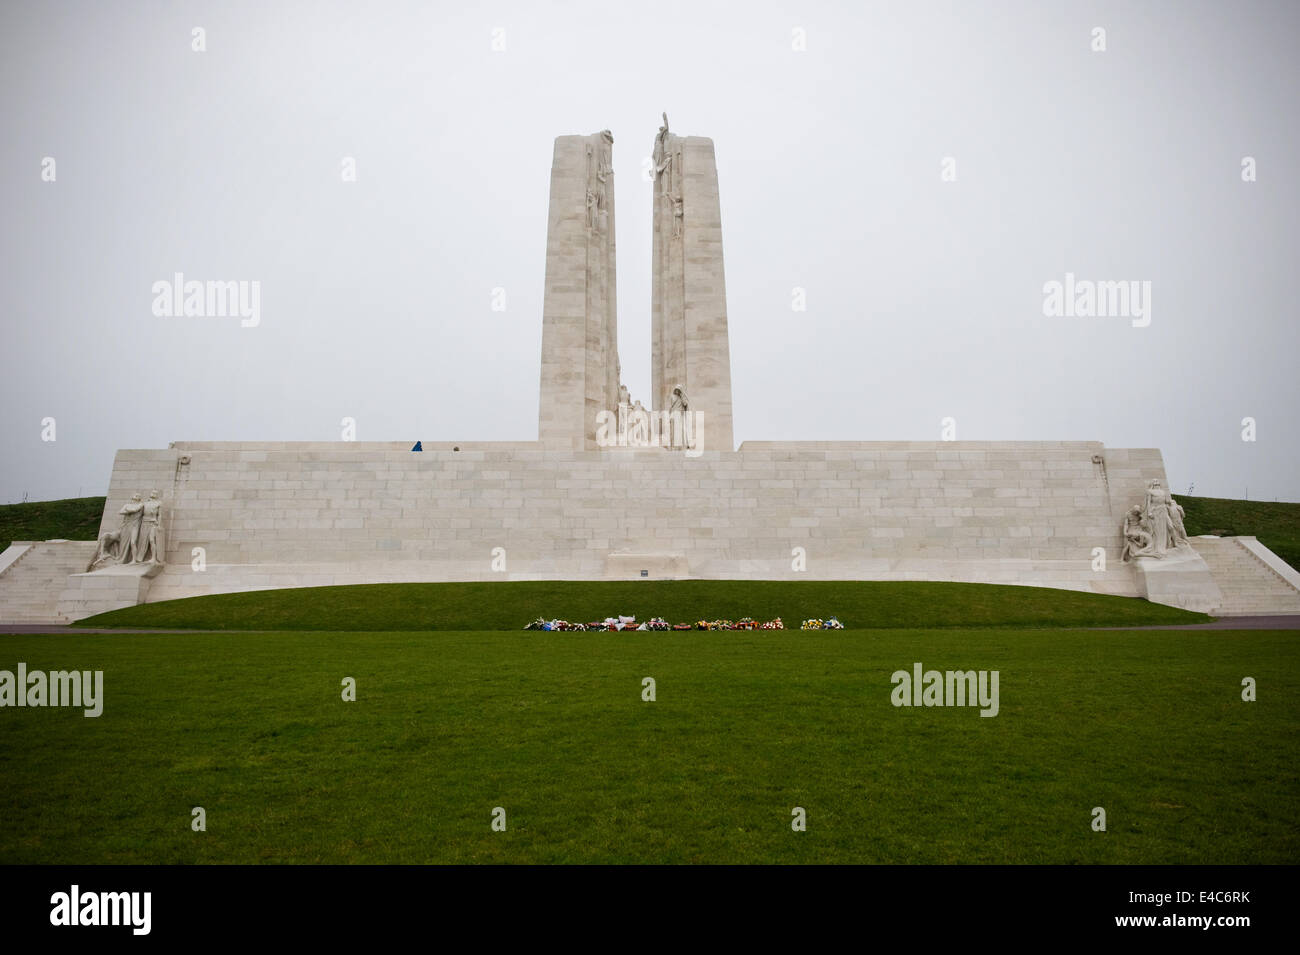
<point x="1277" y="525"/>
<point x="74" y="519"/>
<point x="510" y="605"/>
<point x="746" y="726"/>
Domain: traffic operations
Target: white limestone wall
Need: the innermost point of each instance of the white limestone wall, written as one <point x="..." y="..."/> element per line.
<point x="688" y="307"/>
<point x="579" y="369"/>
<point x="304" y="514"/>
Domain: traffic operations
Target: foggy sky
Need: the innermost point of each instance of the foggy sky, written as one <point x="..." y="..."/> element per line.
<point x="924" y="297"/>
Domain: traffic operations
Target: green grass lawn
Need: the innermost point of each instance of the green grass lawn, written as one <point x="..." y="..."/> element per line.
<point x="503" y="605"/>
<point x="74" y="519"/>
<point x="746" y="726"/>
<point x="1276" y="524"/>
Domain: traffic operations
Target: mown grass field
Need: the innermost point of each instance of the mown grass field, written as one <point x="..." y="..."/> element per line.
<point x="509" y="605"/>
<point x="459" y="711"/>
<point x="746" y="726"/>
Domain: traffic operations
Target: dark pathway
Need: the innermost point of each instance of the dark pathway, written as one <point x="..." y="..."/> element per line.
<point x="1275" y="622"/>
<point x="64" y="628"/>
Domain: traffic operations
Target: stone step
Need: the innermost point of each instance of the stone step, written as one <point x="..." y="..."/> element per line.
<point x="1249" y="585"/>
<point x="30" y="586"/>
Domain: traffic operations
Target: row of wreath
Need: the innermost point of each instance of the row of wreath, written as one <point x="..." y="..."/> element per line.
<point x="658" y="623"/>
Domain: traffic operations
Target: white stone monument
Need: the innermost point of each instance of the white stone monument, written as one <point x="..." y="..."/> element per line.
<point x="576" y="505"/>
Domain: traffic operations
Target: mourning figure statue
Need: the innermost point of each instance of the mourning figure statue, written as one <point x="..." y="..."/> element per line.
<point x="1153" y="527"/>
<point x="1137" y="539"/>
<point x="1157" y="515"/>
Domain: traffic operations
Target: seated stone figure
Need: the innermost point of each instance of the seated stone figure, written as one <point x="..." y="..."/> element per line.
<point x="1137" y="536"/>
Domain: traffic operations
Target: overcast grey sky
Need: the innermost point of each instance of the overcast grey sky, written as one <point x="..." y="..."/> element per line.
<point x="924" y="296"/>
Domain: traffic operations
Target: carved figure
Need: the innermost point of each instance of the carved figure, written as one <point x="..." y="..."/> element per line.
<point x="663" y="158"/>
<point x="1156" y="512"/>
<point x="112" y="542"/>
<point x="151" y="541"/>
<point x="128" y="544"/>
<point x="1137" y="539"/>
<point x="1176" y="515"/>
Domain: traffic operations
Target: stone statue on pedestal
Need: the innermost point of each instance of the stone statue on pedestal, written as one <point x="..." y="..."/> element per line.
<point x="138" y="538"/>
<point x="1155" y="526"/>
<point x="1156" y="512"/>
<point x="113" y="544"/>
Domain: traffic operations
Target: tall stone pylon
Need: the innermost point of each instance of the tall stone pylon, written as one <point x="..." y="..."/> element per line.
<point x="580" y="369"/>
<point x="689" y="343"/>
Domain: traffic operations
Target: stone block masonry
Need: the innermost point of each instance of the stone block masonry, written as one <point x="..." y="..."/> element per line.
<point x="274" y="515"/>
<point x="580" y="367"/>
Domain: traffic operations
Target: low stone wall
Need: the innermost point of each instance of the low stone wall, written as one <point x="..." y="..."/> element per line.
<point x="299" y="514"/>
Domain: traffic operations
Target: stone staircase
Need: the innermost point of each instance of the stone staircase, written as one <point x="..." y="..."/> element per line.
<point x="1249" y="585"/>
<point x="30" y="585"/>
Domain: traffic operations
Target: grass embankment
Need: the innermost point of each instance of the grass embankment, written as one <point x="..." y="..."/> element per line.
<point x="74" y="519"/>
<point x="746" y="726"/>
<point x="509" y="605"/>
<point x="1276" y="524"/>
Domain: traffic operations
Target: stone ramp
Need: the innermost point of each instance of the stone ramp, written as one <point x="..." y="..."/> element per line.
<point x="31" y="582"/>
<point x="1249" y="584"/>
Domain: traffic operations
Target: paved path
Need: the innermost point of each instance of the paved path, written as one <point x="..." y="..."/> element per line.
<point x="1289" y="621"/>
<point x="64" y="628"/>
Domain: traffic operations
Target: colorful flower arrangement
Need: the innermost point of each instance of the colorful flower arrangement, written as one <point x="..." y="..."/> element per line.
<point x="830" y="623"/>
<point x="540" y="624"/>
<point x="660" y="624"/>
